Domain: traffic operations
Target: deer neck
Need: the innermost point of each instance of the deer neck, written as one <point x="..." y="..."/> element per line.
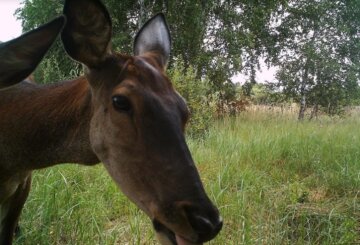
<point x="46" y="125"/>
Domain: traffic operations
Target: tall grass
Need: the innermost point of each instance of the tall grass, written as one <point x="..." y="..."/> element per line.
<point x="275" y="180"/>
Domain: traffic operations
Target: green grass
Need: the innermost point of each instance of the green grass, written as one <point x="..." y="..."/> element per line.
<point x="276" y="181"/>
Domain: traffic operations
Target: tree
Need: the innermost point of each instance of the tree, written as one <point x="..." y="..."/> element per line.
<point x="317" y="49"/>
<point x="218" y="38"/>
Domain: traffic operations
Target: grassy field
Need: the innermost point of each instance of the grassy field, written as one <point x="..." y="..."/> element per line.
<point x="276" y="181"/>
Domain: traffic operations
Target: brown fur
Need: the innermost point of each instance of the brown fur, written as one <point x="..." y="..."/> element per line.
<point x="52" y="115"/>
<point x="40" y="126"/>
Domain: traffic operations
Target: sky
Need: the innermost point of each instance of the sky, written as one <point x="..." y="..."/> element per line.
<point x="263" y="75"/>
<point x="9" y="26"/>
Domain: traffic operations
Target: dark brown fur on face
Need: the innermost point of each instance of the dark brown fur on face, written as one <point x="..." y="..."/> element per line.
<point x="145" y="148"/>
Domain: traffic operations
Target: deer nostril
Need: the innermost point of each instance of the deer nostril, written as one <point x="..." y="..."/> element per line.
<point x="201" y="224"/>
<point x="207" y="227"/>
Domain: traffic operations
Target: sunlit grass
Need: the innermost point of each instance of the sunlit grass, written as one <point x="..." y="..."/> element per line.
<point x="275" y="180"/>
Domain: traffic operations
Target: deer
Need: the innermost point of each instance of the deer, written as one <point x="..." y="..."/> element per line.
<point x="18" y="59"/>
<point x="123" y="113"/>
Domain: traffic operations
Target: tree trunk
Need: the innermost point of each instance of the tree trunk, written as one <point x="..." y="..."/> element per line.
<point x="142" y="13"/>
<point x="304" y="81"/>
<point x="314" y="112"/>
<point x="302" y="107"/>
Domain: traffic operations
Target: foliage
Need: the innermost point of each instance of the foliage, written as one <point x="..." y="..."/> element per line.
<point x="201" y="101"/>
<point x="216" y="38"/>
<point x="317" y="49"/>
<point x="315" y="44"/>
<point x="264" y="94"/>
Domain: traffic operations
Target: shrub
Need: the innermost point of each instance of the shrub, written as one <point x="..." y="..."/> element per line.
<point x="197" y="92"/>
<point x="49" y="71"/>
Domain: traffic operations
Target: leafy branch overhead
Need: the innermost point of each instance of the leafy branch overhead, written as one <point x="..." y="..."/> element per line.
<point x="218" y="38"/>
<point x="314" y="44"/>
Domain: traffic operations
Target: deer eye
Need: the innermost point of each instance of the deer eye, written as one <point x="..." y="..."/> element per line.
<point x="121" y="103"/>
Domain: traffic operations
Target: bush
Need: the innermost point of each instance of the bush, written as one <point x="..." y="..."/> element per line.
<point x="48" y="72"/>
<point x="197" y="92"/>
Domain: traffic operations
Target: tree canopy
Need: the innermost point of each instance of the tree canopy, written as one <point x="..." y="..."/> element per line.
<point x="315" y="44"/>
<point x="317" y="50"/>
<point x="218" y="38"/>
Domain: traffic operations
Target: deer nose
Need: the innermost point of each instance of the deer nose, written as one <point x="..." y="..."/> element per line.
<point x="206" y="224"/>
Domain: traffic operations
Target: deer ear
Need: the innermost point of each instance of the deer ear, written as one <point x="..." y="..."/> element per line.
<point x="87" y="34"/>
<point x="19" y="57"/>
<point x="154" y="36"/>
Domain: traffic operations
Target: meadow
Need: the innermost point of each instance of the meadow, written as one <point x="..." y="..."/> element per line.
<point x="274" y="179"/>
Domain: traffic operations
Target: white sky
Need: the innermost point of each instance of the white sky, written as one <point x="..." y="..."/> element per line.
<point x="262" y="75"/>
<point x="9" y="26"/>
